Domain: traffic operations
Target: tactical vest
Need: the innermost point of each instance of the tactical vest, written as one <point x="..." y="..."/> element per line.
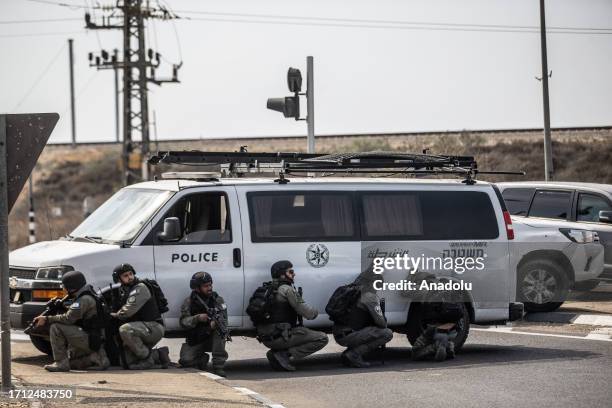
<point x="92" y="323"/>
<point x="147" y="313"/>
<point x="282" y="312"/>
<point x="358" y="318"/>
<point x="201" y="331"/>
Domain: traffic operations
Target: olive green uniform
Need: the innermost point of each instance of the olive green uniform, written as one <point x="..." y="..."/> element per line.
<point x="139" y="337"/>
<point x="69" y="341"/>
<point x="195" y="355"/>
<point x="298" y="341"/>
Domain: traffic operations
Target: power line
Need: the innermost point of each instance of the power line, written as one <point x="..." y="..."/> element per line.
<point x="399" y="27"/>
<point x="40" y="77"/>
<point x="41" y="34"/>
<point x="360" y="22"/>
<point x="58" y="3"/>
<point x="42" y="20"/>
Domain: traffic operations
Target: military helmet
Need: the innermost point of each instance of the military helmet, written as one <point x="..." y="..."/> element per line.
<point x="278" y="268"/>
<point x="200" y="278"/>
<point x="121" y="269"/>
<point x="73" y="281"/>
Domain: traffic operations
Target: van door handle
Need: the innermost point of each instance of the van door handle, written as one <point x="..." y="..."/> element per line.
<point x="237" y="258"/>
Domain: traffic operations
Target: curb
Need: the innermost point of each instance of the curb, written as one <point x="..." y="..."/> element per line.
<point x="568" y="317"/>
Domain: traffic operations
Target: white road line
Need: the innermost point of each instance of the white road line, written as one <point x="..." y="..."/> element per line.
<point x="593" y="320"/>
<point x="258" y="397"/>
<point x="591" y="336"/>
<point x="212" y="376"/>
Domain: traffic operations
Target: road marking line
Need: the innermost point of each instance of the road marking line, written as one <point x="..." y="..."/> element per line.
<point x="593" y="320"/>
<point x="258" y="397"/>
<point x="212" y="376"/>
<point x="563" y="336"/>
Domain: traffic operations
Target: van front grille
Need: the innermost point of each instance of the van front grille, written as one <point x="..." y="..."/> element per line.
<point x="22" y="273"/>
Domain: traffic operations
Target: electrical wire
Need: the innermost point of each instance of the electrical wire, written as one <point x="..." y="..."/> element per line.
<point x="41" y="34"/>
<point x="398" y="27"/>
<point x="40" y="77"/>
<point x="58" y="3"/>
<point x="425" y="24"/>
<point x="42" y="20"/>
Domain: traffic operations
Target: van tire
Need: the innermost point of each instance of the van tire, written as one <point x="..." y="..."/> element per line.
<point x="415" y="325"/>
<point x="586" y="286"/>
<point x="43" y="345"/>
<point x="546" y="279"/>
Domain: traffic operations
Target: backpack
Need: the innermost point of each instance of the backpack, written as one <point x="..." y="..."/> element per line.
<point x="342" y="301"/>
<point x="261" y="303"/>
<point x="158" y="294"/>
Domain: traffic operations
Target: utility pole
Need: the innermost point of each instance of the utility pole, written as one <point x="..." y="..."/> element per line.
<point x="138" y="65"/>
<point x="548" y="163"/>
<point x="72" y="108"/>
<point x="310" y="103"/>
<point x="116" y="70"/>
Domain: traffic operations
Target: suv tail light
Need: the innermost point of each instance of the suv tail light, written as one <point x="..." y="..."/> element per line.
<point x="508" y="222"/>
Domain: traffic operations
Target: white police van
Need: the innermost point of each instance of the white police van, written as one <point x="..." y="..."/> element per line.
<point x="236" y="228"/>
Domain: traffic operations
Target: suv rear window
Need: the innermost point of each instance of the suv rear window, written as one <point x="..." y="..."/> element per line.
<point x="551" y="204"/>
<point x="518" y="199"/>
<point x="427" y="215"/>
<point x="301" y="216"/>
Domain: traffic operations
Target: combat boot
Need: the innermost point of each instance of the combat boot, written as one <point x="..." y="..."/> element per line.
<point x="220" y="371"/>
<point x="99" y="360"/>
<point x="279" y="360"/>
<point x="421" y="353"/>
<point x="440" y="344"/>
<point x="163" y="354"/>
<point x="58" y="366"/>
<point x="355" y="359"/>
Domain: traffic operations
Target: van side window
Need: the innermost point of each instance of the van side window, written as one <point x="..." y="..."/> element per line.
<point x="589" y="206"/>
<point x="301" y="216"/>
<point x="428" y="215"/>
<point x="518" y="199"/>
<point x="204" y="218"/>
<point x="551" y="204"/>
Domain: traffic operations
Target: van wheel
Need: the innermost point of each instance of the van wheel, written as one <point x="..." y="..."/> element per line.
<point x="43" y="345"/>
<point x="416" y="326"/>
<point x="542" y="286"/>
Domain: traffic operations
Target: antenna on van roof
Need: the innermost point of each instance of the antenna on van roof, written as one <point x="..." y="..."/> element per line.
<point x="296" y="163"/>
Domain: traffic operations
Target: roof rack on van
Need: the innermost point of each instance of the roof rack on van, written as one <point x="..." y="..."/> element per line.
<point x="370" y="162"/>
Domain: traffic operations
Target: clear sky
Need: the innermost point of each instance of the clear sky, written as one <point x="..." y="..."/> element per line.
<point x="370" y="76"/>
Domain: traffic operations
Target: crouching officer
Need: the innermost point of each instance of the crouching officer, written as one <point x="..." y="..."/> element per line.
<point x="364" y="328"/>
<point x="143" y="326"/>
<point x="76" y="336"/>
<point x="286" y="340"/>
<point x="203" y="335"/>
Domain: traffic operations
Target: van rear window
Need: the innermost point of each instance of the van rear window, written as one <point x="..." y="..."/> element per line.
<point x="301" y="216"/>
<point x="427" y="215"/>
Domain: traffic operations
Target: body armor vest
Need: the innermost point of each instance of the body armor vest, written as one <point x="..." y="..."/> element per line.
<point x="147" y="313"/>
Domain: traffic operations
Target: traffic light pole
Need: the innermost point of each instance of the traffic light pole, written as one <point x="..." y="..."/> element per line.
<point x="310" y="103"/>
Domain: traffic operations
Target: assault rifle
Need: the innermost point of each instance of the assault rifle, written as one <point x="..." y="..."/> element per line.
<point x="53" y="307"/>
<point x="113" y="331"/>
<point x="300" y="317"/>
<point x="216" y="316"/>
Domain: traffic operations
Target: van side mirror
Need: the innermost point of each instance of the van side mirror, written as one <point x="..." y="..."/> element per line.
<point x="605" y="216"/>
<point x="172" y="230"/>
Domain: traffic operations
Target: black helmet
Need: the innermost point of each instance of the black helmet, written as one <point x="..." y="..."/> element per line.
<point x="120" y="269"/>
<point x="199" y="278"/>
<point x="278" y="268"/>
<point x="73" y="281"/>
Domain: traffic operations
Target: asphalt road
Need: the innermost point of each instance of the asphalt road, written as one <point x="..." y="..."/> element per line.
<point x="494" y="369"/>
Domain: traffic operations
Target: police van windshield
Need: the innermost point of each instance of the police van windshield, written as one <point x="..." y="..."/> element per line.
<point x="121" y="217"/>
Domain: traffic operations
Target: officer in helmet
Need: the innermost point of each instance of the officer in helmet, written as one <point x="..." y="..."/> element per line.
<point x="76" y="337"/>
<point x="287" y="340"/>
<point x="142" y="325"/>
<point x="201" y="334"/>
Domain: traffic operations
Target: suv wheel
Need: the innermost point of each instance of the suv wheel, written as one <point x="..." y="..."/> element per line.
<point x="416" y="326"/>
<point x="585" y="286"/>
<point x="43" y="345"/>
<point x="542" y="286"/>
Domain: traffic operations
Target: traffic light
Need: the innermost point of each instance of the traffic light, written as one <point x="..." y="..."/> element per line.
<point x="289" y="106"/>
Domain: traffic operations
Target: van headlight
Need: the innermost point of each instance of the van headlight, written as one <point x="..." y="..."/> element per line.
<point x="580" y="236"/>
<point x="53" y="272"/>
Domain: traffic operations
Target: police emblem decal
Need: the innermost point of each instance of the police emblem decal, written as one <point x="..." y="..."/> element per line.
<point x="317" y="255"/>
